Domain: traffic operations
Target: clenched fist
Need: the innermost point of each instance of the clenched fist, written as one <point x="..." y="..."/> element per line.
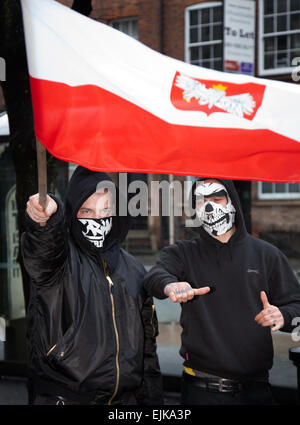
<point x="36" y="212"/>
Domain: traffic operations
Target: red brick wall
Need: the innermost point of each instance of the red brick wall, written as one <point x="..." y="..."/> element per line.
<point x="150" y="24"/>
<point x="114" y="9"/>
<point x="66" y="2"/>
<point x="147" y="12"/>
<point x="275" y="217"/>
<point x="161" y="24"/>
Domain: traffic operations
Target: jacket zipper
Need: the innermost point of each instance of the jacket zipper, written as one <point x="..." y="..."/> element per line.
<point x="51" y="349"/>
<point x="111" y="285"/>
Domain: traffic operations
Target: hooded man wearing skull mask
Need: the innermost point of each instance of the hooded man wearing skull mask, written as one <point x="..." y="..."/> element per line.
<point x="234" y="290"/>
<point x="91" y="325"/>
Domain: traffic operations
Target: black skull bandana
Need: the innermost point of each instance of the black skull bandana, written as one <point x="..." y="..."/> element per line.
<point x="216" y="219"/>
<point x="96" y="229"/>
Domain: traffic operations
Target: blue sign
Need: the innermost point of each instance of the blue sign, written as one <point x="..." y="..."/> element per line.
<point x="247" y="68"/>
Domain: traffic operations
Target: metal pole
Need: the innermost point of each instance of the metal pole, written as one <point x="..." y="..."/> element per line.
<point x="42" y="174"/>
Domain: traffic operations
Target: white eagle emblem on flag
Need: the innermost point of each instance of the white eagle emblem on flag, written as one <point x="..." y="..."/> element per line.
<point x="237" y="105"/>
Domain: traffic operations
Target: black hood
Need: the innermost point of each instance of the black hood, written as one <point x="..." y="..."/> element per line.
<point x="83" y="184"/>
<point x="232" y="192"/>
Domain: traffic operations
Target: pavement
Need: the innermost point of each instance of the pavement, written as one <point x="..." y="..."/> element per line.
<point x="13" y="391"/>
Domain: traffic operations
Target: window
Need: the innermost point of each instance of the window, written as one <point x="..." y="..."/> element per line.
<point x="278" y="190"/>
<point x="127" y="25"/>
<point x="204" y="35"/>
<point x="279" y="35"/>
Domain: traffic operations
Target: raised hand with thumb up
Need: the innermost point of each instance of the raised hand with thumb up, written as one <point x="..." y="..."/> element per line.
<point x="270" y="315"/>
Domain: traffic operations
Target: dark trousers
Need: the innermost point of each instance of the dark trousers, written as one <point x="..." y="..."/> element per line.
<point x="254" y="393"/>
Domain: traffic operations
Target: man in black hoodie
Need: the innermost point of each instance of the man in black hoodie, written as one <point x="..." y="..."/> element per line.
<point x="91" y="326"/>
<point x="234" y="289"/>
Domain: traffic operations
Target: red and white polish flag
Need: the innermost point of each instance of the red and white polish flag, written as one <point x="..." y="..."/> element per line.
<point x="105" y="101"/>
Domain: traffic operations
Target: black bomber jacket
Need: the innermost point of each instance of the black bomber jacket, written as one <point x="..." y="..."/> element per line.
<point x="91" y="329"/>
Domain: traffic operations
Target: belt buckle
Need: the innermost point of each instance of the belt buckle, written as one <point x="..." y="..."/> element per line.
<point x="223" y="388"/>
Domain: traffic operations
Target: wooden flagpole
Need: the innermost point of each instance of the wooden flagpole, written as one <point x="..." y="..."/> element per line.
<point x="42" y="174"/>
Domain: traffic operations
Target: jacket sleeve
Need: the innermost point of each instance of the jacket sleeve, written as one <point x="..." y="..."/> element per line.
<point x="151" y="392"/>
<point x="44" y="248"/>
<point x="168" y="268"/>
<point x="285" y="291"/>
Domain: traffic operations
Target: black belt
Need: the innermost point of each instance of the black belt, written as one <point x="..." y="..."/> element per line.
<point x="214" y="384"/>
<point x="220" y="385"/>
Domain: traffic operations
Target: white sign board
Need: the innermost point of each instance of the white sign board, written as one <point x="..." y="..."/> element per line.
<point x="239" y="36"/>
<point x="4" y="125"/>
<point x="2" y="330"/>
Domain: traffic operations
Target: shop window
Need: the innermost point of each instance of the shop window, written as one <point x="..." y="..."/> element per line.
<point x="204" y="35"/>
<point x="279" y="35"/>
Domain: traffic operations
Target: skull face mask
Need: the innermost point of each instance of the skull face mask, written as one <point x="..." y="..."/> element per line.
<point x="96" y="229"/>
<point x="215" y="218"/>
